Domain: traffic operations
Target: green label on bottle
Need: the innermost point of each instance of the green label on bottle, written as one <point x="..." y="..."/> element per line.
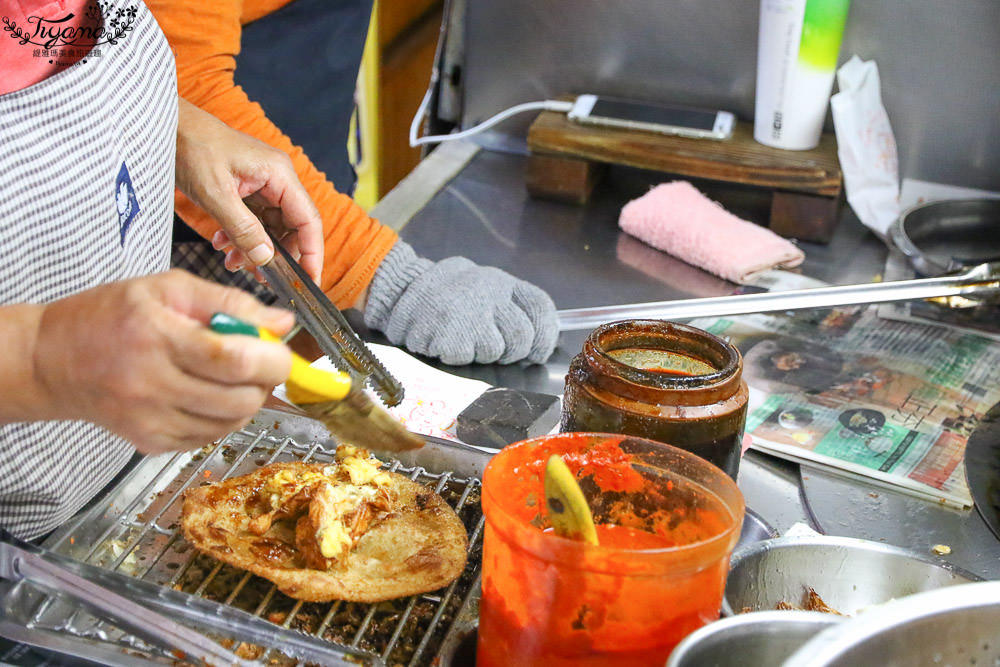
<point x="822" y="32"/>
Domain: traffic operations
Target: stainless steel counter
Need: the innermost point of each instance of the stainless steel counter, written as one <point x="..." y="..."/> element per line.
<point x="464" y="201"/>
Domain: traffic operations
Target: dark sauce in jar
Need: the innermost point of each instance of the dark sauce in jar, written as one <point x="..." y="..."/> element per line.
<point x="664" y="381"/>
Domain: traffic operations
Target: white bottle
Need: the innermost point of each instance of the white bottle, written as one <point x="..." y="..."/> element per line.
<point x="797" y="49"/>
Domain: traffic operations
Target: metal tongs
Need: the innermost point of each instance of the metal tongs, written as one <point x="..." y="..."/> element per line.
<point x="116" y="597"/>
<point x="327" y="325"/>
<point x="21" y="561"/>
<point x="977" y="280"/>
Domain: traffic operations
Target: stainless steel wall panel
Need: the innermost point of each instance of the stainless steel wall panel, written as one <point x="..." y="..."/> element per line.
<point x="939" y="63"/>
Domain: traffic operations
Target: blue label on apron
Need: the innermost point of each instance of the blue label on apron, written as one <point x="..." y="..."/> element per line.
<point x="126" y="201"/>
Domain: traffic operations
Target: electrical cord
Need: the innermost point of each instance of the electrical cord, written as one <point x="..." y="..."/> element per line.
<point x="546" y="105"/>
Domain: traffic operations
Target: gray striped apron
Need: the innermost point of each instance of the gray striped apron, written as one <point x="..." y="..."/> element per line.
<point x="86" y="198"/>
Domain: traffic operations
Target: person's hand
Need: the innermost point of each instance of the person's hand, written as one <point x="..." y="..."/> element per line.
<point x="241" y="181"/>
<point x="137" y="357"/>
<point x="458" y="311"/>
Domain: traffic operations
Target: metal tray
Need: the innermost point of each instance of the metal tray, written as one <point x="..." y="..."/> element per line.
<point x="134" y="531"/>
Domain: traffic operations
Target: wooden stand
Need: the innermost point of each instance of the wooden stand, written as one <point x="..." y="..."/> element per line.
<point x="568" y="159"/>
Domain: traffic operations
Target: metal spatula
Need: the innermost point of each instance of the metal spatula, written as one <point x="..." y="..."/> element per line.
<point x="980" y="280"/>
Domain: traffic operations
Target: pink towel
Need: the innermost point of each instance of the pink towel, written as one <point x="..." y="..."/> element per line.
<point x="680" y="220"/>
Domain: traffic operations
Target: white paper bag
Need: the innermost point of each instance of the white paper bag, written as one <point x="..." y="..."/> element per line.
<point x="866" y="146"/>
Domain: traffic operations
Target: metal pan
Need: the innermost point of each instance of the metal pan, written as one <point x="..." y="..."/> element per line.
<point x="942" y="236"/>
<point x="982" y="468"/>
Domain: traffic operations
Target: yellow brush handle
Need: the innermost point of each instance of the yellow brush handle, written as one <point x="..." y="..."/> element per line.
<point x="568" y="509"/>
<point x="305" y="384"/>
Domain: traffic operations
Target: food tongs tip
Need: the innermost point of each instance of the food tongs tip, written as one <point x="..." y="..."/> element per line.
<point x="317" y="314"/>
<point x="22" y="561"/>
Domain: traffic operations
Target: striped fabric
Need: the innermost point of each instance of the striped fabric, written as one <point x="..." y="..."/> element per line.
<point x="86" y="197"/>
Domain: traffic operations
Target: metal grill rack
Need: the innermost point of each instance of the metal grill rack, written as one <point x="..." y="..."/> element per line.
<point x="135" y="531"/>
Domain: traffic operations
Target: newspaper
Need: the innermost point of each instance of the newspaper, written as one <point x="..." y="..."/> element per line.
<point x="891" y="403"/>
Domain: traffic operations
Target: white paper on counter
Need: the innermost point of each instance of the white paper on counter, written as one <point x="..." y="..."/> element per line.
<point x="866" y="146"/>
<point x="432" y="398"/>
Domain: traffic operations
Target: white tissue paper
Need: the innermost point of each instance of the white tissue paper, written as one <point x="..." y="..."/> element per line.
<point x="432" y="400"/>
<point x="866" y="145"/>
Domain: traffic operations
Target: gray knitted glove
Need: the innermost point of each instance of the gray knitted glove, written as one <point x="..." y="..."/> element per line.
<point x="458" y="311"/>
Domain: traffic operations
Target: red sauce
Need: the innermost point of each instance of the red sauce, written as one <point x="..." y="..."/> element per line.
<point x="571" y="618"/>
<point x="623" y="537"/>
<point x="610" y="467"/>
<point x="555" y="602"/>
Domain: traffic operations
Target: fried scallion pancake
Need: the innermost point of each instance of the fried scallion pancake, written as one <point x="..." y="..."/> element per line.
<point x="330" y="531"/>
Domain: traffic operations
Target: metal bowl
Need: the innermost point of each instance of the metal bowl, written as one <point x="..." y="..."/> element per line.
<point x="941" y="236"/>
<point x="755" y="529"/>
<point x="848" y="574"/>
<point x="958" y="625"/>
<point x="756" y="639"/>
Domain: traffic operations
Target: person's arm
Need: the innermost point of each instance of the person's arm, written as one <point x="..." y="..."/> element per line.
<point x="205" y="37"/>
<point x="136" y="357"/>
<point x="22" y="397"/>
<point x="452" y="310"/>
<point x="241" y="181"/>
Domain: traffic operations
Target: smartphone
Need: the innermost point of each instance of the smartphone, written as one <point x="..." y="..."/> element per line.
<point x="652" y="117"/>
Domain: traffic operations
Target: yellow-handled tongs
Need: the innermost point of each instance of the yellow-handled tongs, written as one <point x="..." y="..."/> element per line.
<point x="332" y="398"/>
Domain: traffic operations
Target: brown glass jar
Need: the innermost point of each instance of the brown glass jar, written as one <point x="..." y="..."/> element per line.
<point x="660" y="380"/>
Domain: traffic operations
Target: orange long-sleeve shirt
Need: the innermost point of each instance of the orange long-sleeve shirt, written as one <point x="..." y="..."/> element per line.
<point x="205" y="37"/>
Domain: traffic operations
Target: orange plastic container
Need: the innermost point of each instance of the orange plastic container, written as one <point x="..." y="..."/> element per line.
<point x="667" y="521"/>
